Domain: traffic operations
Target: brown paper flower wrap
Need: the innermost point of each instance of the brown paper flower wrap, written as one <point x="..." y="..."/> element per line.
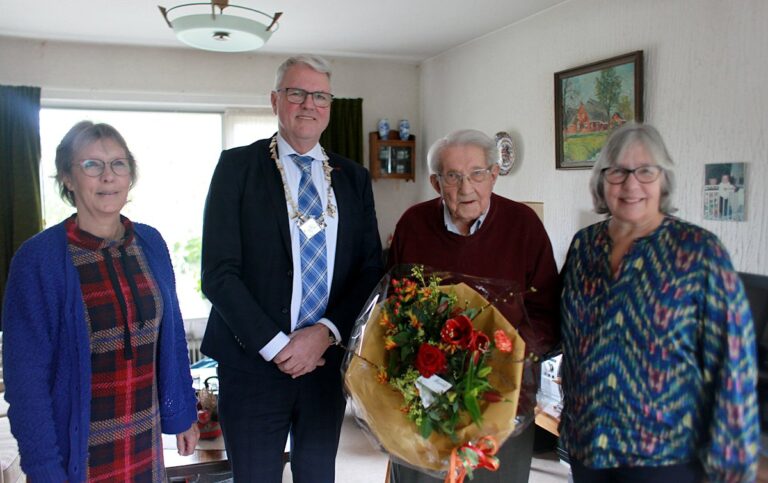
<point x="377" y="406"/>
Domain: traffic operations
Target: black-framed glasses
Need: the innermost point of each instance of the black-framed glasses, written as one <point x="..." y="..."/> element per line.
<point x="454" y="178"/>
<point x="95" y="167"/>
<point x="644" y="174"/>
<point x="297" y="96"/>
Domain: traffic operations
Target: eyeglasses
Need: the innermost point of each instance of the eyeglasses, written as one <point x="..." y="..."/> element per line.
<point x="95" y="167"/>
<point x="454" y="178"/>
<point x="644" y="174"/>
<point x="297" y="96"/>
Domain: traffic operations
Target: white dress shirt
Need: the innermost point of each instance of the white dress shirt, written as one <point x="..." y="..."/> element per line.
<point x="451" y="226"/>
<point x="292" y="178"/>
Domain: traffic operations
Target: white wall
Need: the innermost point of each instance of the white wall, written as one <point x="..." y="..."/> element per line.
<point x="706" y="70"/>
<point x="183" y="78"/>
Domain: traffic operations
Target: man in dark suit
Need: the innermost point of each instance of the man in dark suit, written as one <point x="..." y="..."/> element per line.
<point x="291" y="251"/>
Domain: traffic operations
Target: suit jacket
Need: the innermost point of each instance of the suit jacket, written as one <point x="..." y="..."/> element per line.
<point x="247" y="268"/>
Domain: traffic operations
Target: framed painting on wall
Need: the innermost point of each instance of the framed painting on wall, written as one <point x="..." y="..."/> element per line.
<point x="591" y="101"/>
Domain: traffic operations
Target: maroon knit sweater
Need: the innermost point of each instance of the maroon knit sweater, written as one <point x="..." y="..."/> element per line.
<point x="510" y="245"/>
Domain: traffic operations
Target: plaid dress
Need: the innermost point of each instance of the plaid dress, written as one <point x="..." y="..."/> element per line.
<point x="123" y="312"/>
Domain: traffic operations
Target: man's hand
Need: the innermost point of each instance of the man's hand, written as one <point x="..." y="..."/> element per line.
<point x="305" y="351"/>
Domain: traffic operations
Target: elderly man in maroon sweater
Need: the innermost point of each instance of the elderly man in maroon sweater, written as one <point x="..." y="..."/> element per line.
<point x="470" y="230"/>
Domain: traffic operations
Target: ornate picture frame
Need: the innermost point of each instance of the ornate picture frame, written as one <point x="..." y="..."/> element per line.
<point x="591" y="101"/>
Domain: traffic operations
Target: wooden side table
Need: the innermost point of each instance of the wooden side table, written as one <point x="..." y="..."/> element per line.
<point x="202" y="461"/>
<point x="547" y="422"/>
<point x="209" y="458"/>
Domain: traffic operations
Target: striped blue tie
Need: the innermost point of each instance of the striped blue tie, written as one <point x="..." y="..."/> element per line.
<point x="314" y="266"/>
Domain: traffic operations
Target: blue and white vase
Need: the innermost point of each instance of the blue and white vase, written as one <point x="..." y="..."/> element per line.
<point x="384" y="128"/>
<point x="405" y="129"/>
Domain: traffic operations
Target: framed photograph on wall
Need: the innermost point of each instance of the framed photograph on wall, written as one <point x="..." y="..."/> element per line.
<point x="591" y="101"/>
<point x="725" y="191"/>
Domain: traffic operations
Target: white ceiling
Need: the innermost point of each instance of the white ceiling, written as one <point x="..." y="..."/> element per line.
<point x="409" y="30"/>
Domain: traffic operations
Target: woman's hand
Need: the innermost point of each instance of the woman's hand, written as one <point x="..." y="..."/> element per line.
<point x="186" y="441"/>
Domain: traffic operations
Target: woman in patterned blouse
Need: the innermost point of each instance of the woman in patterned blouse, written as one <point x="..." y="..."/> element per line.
<point x="95" y="358"/>
<point x="659" y="369"/>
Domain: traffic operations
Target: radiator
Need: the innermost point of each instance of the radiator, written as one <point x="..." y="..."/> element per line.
<point x="193" y="346"/>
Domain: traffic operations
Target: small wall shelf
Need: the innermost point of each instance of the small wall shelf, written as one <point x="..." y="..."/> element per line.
<point x="392" y="158"/>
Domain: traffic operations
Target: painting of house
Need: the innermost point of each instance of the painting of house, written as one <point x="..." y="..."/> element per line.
<point x="591" y="117"/>
<point x="593" y="100"/>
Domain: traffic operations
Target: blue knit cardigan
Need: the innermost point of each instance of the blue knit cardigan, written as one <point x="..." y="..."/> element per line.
<point x="47" y="358"/>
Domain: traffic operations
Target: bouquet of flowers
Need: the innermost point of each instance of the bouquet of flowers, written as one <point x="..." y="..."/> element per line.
<point x="434" y="374"/>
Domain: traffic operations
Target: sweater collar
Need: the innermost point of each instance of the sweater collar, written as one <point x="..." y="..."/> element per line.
<point x="451" y="226"/>
<point x="83" y="239"/>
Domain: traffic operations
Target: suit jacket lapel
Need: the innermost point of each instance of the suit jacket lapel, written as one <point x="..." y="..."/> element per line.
<point x="273" y="183"/>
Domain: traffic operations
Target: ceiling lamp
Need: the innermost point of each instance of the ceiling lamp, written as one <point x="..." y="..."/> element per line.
<point x="220" y="32"/>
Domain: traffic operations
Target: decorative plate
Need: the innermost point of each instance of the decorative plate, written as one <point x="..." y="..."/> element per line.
<point x="506" y="152"/>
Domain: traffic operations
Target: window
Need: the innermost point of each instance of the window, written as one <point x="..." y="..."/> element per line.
<point x="244" y="126"/>
<point x="176" y="153"/>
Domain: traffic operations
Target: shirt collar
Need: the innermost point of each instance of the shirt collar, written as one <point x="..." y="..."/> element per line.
<point x="285" y="150"/>
<point x="451" y="226"/>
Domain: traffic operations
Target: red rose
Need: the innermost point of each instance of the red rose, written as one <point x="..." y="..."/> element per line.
<point x="480" y="342"/>
<point x="430" y="360"/>
<point x="458" y="331"/>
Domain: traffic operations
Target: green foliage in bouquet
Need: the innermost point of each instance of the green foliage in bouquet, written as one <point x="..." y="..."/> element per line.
<point x="429" y="335"/>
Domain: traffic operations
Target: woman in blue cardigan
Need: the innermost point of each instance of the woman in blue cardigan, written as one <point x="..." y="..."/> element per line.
<point x="94" y="354"/>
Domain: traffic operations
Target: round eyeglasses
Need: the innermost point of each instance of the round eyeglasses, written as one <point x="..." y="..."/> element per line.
<point x="95" y="167"/>
<point x="454" y="178"/>
<point x="297" y="96"/>
<point x="644" y="174"/>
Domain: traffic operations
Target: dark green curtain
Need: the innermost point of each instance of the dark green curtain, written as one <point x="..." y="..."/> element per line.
<point x="20" y="213"/>
<point x="344" y="134"/>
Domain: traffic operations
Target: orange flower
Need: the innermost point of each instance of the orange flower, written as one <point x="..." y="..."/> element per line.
<point x="408" y="290"/>
<point x="389" y="344"/>
<point x="414" y="321"/>
<point x="449" y="349"/>
<point x="384" y="320"/>
<point x="382" y="376"/>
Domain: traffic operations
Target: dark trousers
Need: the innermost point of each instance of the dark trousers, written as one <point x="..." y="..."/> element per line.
<point x="258" y="410"/>
<point x="682" y="473"/>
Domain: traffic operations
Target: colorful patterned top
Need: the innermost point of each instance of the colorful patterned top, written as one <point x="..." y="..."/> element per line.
<point x="123" y="312"/>
<point x="659" y="362"/>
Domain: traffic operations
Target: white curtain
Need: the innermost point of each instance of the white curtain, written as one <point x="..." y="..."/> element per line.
<point x="244" y="126"/>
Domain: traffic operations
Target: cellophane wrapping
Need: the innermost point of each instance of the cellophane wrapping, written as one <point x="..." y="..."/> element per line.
<point x="377" y="407"/>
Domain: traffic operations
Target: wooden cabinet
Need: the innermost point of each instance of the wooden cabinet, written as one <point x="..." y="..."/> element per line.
<point x="392" y="158"/>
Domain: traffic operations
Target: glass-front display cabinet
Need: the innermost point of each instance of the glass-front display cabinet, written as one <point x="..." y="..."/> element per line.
<point x="392" y="158"/>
